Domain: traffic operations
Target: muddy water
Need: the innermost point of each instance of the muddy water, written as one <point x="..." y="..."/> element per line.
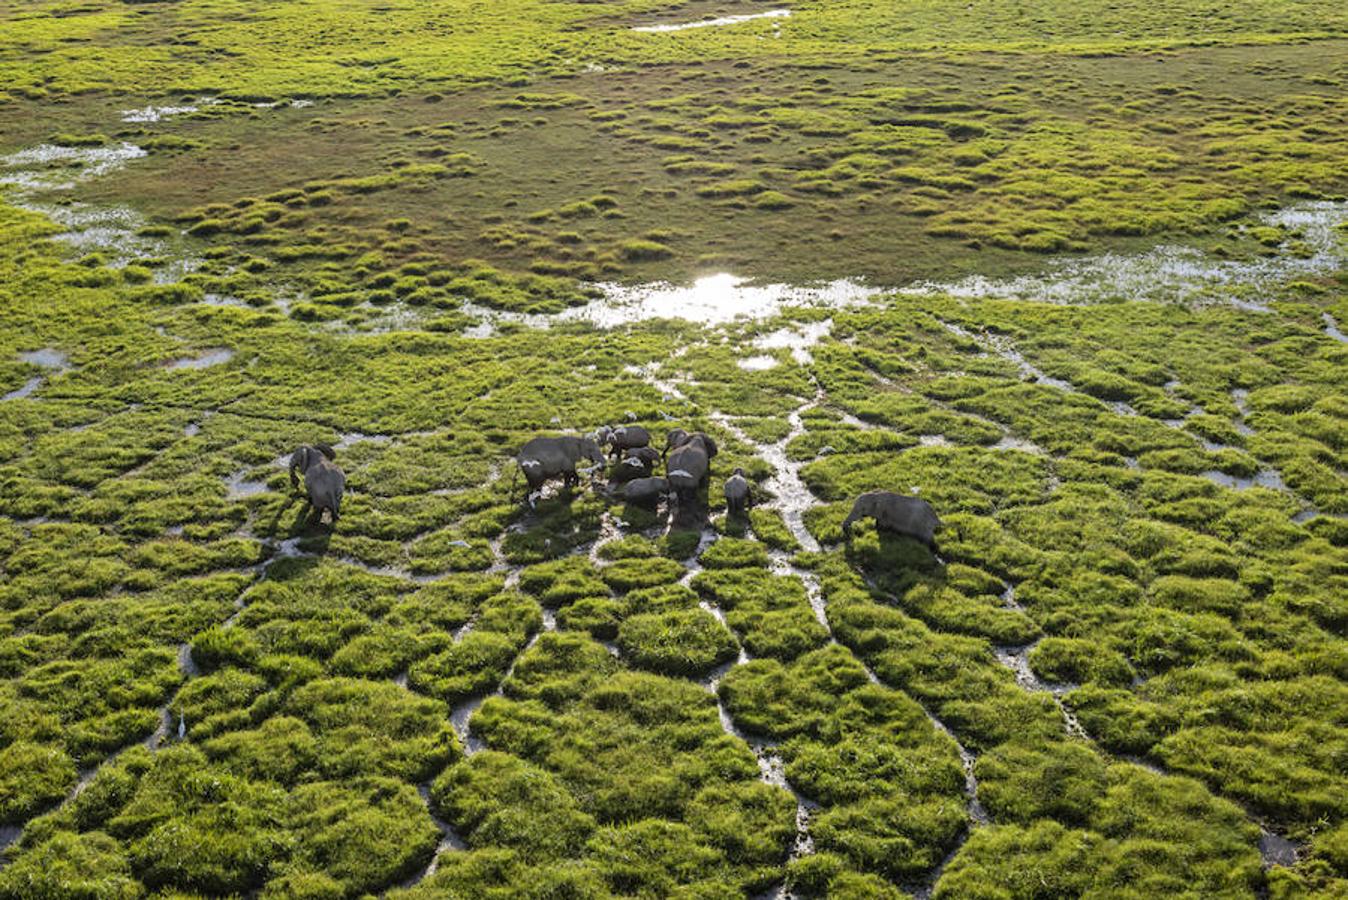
<point x="1172" y="273"/>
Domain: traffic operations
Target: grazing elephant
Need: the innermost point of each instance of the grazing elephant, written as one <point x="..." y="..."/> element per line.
<point x="548" y="457"/>
<point x="737" y="493"/>
<point x="646" y="491"/>
<point x="324" y="481"/>
<point x="677" y="437"/>
<point x="299" y="460"/>
<point x="626" y="437"/>
<point x="899" y="513"/>
<point x="687" y="469"/>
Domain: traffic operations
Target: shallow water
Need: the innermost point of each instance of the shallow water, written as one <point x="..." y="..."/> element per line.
<point x="239" y="486"/>
<point x="1332" y="329"/>
<point x="25" y="390"/>
<point x="48" y="167"/>
<point x="155" y="113"/>
<point x="458" y="720"/>
<point x="712" y="300"/>
<point x="449" y="840"/>
<point x="758" y="363"/>
<point x="798" y="338"/>
<point x="108" y="230"/>
<point x="1171" y="273"/>
<point x="1277" y="850"/>
<point x="1265" y="478"/>
<point x="714" y="23"/>
<point x="207" y="359"/>
<point x="47" y="358"/>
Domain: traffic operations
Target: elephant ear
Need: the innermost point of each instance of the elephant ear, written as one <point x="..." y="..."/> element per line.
<point x="326" y="450"/>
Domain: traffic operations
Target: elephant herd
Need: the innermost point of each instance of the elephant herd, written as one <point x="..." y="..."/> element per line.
<point x="687" y="459"/>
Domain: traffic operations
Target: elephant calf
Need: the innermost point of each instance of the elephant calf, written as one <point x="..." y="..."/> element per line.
<point x="625" y="437"/>
<point x="645" y="491"/>
<point x="324" y="480"/>
<point x="737" y="493"/>
<point x="898" y="513"/>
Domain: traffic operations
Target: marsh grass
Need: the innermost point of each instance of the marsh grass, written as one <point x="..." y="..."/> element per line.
<point x="1141" y="499"/>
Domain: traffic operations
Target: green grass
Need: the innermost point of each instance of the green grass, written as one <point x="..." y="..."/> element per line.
<point x="449" y="157"/>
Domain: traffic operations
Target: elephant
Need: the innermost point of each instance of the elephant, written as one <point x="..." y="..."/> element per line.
<point x="548" y="457"/>
<point x="646" y="491"/>
<point x="687" y="469"/>
<point x="647" y="456"/>
<point x="737" y="496"/>
<point x="625" y="437"/>
<point x="630" y="469"/>
<point x="898" y="513"/>
<point x="677" y="437"/>
<point x="299" y="460"/>
<point x="324" y="480"/>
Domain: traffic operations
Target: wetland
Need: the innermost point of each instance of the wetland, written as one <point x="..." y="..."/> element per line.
<point x="1074" y="273"/>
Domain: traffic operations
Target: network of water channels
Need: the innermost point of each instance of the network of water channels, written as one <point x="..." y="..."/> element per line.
<point x="1123" y="675"/>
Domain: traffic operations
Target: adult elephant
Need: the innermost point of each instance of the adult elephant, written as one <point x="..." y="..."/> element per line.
<point x="687" y="470"/>
<point x="899" y="513"/>
<point x="544" y="458"/>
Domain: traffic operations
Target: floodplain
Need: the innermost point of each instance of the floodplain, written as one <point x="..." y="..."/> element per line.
<point x="1072" y="272"/>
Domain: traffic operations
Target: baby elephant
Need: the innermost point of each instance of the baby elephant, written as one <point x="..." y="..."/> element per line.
<point x="630" y="469"/>
<point x="737" y="494"/>
<point x="625" y="437"/>
<point x="324" y="481"/>
<point x="898" y="513"/>
<point x="645" y="491"/>
<point x="646" y="457"/>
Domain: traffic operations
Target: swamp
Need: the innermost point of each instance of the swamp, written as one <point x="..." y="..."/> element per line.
<point x="1074" y="273"/>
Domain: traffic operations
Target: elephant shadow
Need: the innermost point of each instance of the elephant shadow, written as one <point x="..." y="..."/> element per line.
<point x="897" y="561"/>
<point x="306" y="524"/>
